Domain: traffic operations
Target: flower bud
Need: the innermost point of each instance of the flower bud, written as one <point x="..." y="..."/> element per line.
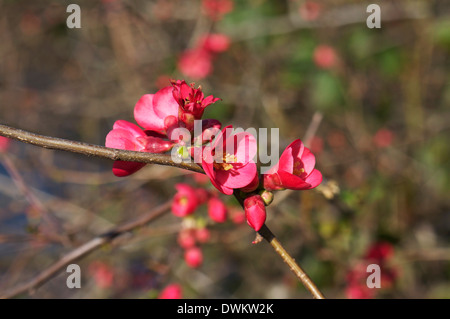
<point x="217" y="210"/>
<point x="193" y="257"/>
<point x="185" y="201"/>
<point x="267" y="197"/>
<point x="186" y="238"/>
<point x="255" y="211"/>
<point x="172" y="291"/>
<point x="202" y="235"/>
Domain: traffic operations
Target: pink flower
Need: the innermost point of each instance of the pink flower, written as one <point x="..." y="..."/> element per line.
<point x="383" y="138"/>
<point x="217" y="210"/>
<point x="380" y="251"/>
<point x="255" y="211"/>
<point x="310" y="10"/>
<point x="185" y="201"/>
<point x="237" y="215"/>
<point x="325" y="56"/>
<point x="359" y="291"/>
<point x="186" y="238"/>
<point x="229" y="161"/>
<point x="129" y="136"/>
<point x="4" y="143"/>
<point x="294" y="170"/>
<point x="202" y="235"/>
<point x="154" y="111"/>
<point x="193" y="257"/>
<point x="103" y="274"/>
<point x="215" y="42"/>
<point x="195" y="63"/>
<point x="192" y="100"/>
<point x="172" y="291"/>
<point x="216" y="9"/>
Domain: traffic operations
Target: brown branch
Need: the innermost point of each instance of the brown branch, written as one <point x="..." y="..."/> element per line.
<point x="94" y="150"/>
<point x="84" y="250"/>
<point x="116" y="154"/>
<point x="295" y="268"/>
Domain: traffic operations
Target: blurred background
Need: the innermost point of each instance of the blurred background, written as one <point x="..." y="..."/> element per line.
<point x="372" y="104"/>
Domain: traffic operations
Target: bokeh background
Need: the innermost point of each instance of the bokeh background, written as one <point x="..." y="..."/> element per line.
<point x="372" y="104"/>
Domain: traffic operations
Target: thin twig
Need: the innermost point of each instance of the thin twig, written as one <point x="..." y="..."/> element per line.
<point x="295" y="268"/>
<point x="84" y="250"/>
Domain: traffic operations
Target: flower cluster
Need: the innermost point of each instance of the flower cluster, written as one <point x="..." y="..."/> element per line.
<point x="197" y="62"/>
<point x="380" y="253"/>
<point x="226" y="155"/>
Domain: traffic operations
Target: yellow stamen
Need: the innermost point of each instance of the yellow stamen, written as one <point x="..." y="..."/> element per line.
<point x="227" y="159"/>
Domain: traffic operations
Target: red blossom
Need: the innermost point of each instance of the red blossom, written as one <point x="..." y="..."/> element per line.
<point x="152" y="110"/>
<point x="229" y="161"/>
<point x="191" y="100"/>
<point x="202" y="235"/>
<point x="195" y="63"/>
<point x="186" y="238"/>
<point x="383" y="138"/>
<point x="102" y="273"/>
<point x="193" y="257"/>
<point x="185" y="201"/>
<point x="4" y="143"/>
<point x="310" y="10"/>
<point x="325" y="56"/>
<point x="214" y="42"/>
<point x="216" y="9"/>
<point x="255" y="211"/>
<point x="294" y="170"/>
<point x="217" y="210"/>
<point x="129" y="136"/>
<point x="172" y="291"/>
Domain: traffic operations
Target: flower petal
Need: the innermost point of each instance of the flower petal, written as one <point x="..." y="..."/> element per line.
<point x="292" y="151"/>
<point x="122" y="168"/>
<point x="315" y="178"/>
<point x="164" y="104"/>
<point x="145" y="116"/>
<point x="309" y="161"/>
<point x="237" y="178"/>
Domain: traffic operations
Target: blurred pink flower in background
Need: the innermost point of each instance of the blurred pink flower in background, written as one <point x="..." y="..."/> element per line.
<point x="378" y="253"/>
<point x="185" y="201"/>
<point x="316" y="144"/>
<point x="4" y="143"/>
<point x="202" y="235"/>
<point x="186" y="238"/>
<point x="216" y="9"/>
<point x="383" y="138"/>
<point x="325" y="56"/>
<point x="217" y="210"/>
<point x="197" y="63"/>
<point x="102" y="273"/>
<point x="215" y="42"/>
<point x="193" y="257"/>
<point x="172" y="291"/>
<point x="237" y="215"/>
<point x="310" y="10"/>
